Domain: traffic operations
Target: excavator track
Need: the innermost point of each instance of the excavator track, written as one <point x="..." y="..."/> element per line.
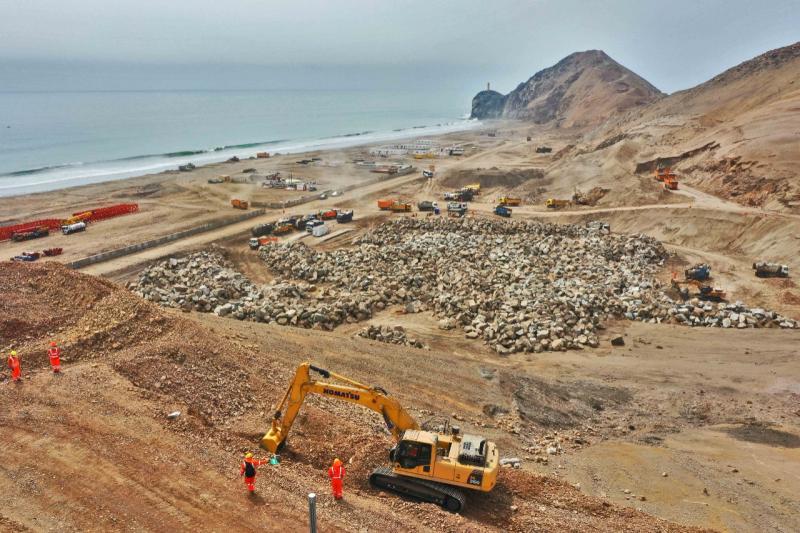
<point x="450" y="498"/>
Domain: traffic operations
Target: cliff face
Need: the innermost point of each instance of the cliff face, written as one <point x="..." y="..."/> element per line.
<point x="583" y="89"/>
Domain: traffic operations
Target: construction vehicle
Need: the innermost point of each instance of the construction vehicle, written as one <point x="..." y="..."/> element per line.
<point x="330" y="214"/>
<point x="344" y="216"/>
<point x="430" y="172"/>
<point x="320" y="230"/>
<point x="239" y="204"/>
<point x="474" y="187"/>
<point x="771" y="270"/>
<point x="262" y="229"/>
<point x="73" y="228"/>
<point x="699" y="272"/>
<point x="670" y="183"/>
<point x="52" y="252"/>
<point x="27" y="257"/>
<point x="399" y="207"/>
<point x="507" y="200"/>
<point x="256" y="243"/>
<point x="36" y="233"/>
<point x="427" y="466"/>
<point x="503" y="211"/>
<point x="555" y="203"/>
<point x="543" y="149"/>
<point x="283" y="227"/>
<point x="311" y="224"/>
<point x="385" y="205"/>
<point x="427" y="205"/>
<point x="704" y="292"/>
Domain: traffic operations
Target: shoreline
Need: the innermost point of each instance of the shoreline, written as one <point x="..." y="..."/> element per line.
<point x="158" y="164"/>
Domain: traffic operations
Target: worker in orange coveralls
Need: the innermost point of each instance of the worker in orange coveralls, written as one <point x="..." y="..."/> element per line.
<point x="55" y="357"/>
<point x="336" y="473"/>
<point x="248" y="470"/>
<point x="13" y="364"/>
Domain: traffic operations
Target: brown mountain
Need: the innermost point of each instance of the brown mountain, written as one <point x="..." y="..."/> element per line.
<point x="583" y="89"/>
<point x="748" y="117"/>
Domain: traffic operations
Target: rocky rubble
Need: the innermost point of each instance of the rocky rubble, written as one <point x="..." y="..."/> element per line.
<point x="392" y="335"/>
<point x="515" y="285"/>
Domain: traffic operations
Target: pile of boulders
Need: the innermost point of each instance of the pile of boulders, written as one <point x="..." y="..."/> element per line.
<point x="391" y="335"/>
<point x="515" y="285"/>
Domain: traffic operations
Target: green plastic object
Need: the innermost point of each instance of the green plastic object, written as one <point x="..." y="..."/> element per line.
<point x="274" y="460"/>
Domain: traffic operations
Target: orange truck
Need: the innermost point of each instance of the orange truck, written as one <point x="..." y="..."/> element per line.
<point x="398" y="207"/>
<point x="385" y="205"/>
<point x="239" y="204"/>
<point x="282" y="229"/>
<point x="670" y="182"/>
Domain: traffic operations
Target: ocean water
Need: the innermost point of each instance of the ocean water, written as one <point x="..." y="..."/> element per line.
<point x="51" y="140"/>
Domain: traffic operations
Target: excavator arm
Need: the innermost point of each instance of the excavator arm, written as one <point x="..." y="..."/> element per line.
<point x="396" y="417"/>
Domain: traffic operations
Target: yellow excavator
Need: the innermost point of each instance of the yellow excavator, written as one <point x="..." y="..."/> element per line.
<point x="425" y="466"/>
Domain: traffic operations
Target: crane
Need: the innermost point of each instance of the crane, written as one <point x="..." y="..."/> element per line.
<point x="425" y="465"/>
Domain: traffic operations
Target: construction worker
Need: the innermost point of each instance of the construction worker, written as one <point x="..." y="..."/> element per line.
<point x="336" y="473"/>
<point x="13" y="364"/>
<point x="55" y="357"/>
<point x="248" y="470"/>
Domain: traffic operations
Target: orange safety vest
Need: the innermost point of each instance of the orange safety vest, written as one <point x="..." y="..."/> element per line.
<point x="54" y="353"/>
<point x="13" y="362"/>
<point x="336" y="473"/>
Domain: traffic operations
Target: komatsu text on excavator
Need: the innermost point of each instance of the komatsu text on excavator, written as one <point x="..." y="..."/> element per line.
<point x="426" y="466"/>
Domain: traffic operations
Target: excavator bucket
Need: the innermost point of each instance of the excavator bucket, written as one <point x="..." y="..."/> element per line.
<point x="273" y="440"/>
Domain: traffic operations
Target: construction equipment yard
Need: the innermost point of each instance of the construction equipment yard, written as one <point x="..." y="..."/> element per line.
<point x="617" y="404"/>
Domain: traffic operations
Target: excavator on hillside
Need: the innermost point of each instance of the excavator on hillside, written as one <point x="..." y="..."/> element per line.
<point x="425" y="465"/>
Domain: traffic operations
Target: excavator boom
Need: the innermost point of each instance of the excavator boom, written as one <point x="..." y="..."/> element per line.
<point x="396" y="417"/>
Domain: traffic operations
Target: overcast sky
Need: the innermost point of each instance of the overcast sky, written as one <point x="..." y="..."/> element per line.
<point x="674" y="44"/>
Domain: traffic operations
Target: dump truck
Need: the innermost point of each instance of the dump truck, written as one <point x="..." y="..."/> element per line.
<point x="502" y="211"/>
<point x="399" y="207"/>
<point x="670" y="183"/>
<point x="385" y="205"/>
<point x="555" y="203"/>
<point x="344" y="216"/>
<point x="474" y="187"/>
<point x="699" y="272"/>
<point x="434" y="467"/>
<point x="73" y="228"/>
<point x="239" y="204"/>
<point x="36" y="233"/>
<point x="427" y="205"/>
<point x="256" y="243"/>
<point x="770" y="270"/>
<point x="262" y="229"/>
<point x="507" y="200"/>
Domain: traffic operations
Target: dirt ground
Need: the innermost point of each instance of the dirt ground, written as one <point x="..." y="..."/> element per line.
<point x="679" y="428"/>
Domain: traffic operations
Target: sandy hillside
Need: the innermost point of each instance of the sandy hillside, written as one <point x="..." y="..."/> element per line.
<point x="93" y="450"/>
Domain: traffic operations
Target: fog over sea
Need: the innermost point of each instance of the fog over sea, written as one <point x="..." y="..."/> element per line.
<point x="56" y="138"/>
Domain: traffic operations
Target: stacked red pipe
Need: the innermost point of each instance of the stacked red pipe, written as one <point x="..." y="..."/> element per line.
<point x="7" y="231"/>
<point x="100" y="213"/>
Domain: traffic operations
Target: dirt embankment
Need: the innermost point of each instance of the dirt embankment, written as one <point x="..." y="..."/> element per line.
<point x="93" y="449"/>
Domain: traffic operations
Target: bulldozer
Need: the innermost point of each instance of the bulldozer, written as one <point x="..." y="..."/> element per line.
<point x="425" y="466"/>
